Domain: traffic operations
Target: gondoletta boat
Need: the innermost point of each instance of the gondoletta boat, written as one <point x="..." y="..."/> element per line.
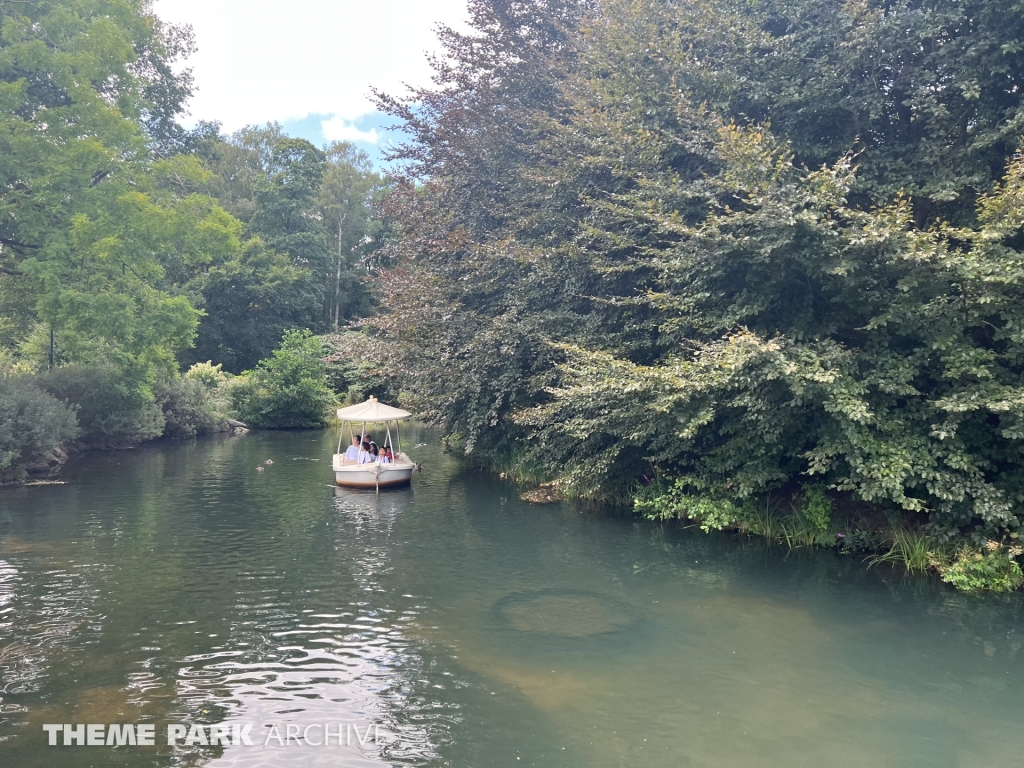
<point x="348" y="473"/>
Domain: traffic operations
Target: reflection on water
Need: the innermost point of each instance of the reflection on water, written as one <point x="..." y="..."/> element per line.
<point x="177" y="584"/>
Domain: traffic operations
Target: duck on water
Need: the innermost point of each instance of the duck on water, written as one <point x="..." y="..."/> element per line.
<point x="363" y="467"/>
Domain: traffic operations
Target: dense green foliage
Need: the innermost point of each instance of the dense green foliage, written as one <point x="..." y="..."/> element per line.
<point x="188" y="408"/>
<point x="93" y="209"/>
<point x="113" y="411"/>
<point x="102" y="223"/>
<point x="726" y="247"/>
<point x="31" y="424"/>
<point x="994" y="568"/>
<point x="129" y="245"/>
<point x="288" y="389"/>
<point x="249" y="300"/>
<point x="354" y="372"/>
<point x="309" y="219"/>
<point x="209" y="375"/>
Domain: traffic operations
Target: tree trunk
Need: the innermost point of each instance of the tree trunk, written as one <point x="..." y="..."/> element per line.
<point x="337" y="280"/>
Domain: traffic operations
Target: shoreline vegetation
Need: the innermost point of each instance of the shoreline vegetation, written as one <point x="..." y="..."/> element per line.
<point x="756" y="267"/>
<point x="696" y="255"/>
<point x="815" y="520"/>
<point x="47" y="417"/>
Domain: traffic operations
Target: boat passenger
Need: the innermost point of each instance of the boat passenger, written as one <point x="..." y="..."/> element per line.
<point x="365" y="457"/>
<point x="374" y="452"/>
<point x="352" y="454"/>
<point x="385" y="456"/>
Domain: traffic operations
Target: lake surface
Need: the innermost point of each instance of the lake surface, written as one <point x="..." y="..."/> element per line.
<point x="176" y="584"/>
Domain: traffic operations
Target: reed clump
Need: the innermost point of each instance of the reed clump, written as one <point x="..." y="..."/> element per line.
<point x="913" y="549"/>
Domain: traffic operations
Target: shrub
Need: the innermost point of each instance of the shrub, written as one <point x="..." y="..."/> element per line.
<point x="32" y="423"/>
<point x="994" y="568"/>
<point x="188" y="408"/>
<point x="209" y="375"/>
<point x="115" y="409"/>
<point x="288" y="389"/>
<point x="693" y="501"/>
<point x="12" y="366"/>
<point x="817" y="507"/>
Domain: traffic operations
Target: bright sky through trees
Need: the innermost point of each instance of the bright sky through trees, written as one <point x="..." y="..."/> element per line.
<point x="260" y="61"/>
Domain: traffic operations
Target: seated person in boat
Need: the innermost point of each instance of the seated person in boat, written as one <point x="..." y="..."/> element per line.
<point x="365" y="457"/>
<point x="352" y="454"/>
<point x="374" y="452"/>
<point x="386" y="456"/>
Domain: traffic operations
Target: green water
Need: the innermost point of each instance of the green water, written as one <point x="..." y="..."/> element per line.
<point x="175" y="583"/>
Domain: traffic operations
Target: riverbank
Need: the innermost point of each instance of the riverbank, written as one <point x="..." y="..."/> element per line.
<point x="47" y="468"/>
<point x="46" y="416"/>
<point x="817" y="518"/>
<point x="861" y="531"/>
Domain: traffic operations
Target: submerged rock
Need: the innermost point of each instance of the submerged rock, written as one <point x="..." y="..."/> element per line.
<point x="545" y="494"/>
<point x="564" y="612"/>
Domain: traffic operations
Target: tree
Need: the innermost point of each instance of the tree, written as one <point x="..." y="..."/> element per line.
<point x="249" y="301"/>
<point x="87" y="217"/>
<point x="466" y="307"/>
<point x="930" y="93"/>
<point x="310" y="221"/>
<point x="610" y="266"/>
<point x="237" y="161"/>
<point x="289" y="389"/>
<point x="318" y="208"/>
<point x="347" y="195"/>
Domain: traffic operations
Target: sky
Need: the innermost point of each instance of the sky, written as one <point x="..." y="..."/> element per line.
<point x="309" y="64"/>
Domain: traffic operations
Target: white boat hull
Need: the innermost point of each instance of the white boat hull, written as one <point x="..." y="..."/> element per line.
<point x="350" y="475"/>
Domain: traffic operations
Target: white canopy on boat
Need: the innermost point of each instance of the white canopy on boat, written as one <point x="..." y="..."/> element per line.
<point x="372" y="410"/>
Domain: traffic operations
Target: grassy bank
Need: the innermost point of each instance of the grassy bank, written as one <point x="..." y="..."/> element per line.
<point x="813" y="517"/>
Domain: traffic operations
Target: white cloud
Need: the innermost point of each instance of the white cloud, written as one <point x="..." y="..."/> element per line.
<point x="259" y="61"/>
<point x="339" y="129"/>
